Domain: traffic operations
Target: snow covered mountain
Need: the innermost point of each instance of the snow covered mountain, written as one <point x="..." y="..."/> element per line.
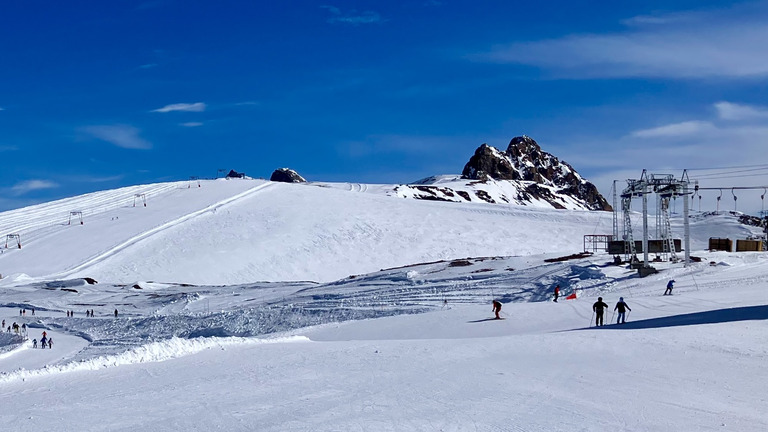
<point x="523" y="174"/>
<point x="254" y="305"/>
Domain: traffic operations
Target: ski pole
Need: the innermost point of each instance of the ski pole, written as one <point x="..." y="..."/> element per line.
<point x="629" y="312"/>
<point x="694" y="282"/>
<point x="614" y="314"/>
<point x="593" y="317"/>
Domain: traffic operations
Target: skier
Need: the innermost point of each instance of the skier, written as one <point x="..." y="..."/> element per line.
<point x="50" y="343"/>
<point x="670" y="285"/>
<point x="115" y="313"/>
<point x="497" y="308"/>
<point x="597" y="308"/>
<point x="3" y="326"/>
<point x="621" y="306"/>
<point x="43" y="342"/>
<point x="34" y="343"/>
<point x="557" y="293"/>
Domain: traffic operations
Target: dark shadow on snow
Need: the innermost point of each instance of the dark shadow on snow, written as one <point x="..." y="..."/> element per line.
<point x="484" y="320"/>
<point x="745" y="313"/>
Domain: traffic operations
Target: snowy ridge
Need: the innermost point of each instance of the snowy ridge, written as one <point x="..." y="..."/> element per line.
<point x="154" y="352"/>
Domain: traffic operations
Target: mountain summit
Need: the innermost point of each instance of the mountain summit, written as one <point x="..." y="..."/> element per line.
<point x="541" y="175"/>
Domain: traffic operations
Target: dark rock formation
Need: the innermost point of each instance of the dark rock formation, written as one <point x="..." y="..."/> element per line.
<point x="287" y="175"/>
<point x="235" y="174"/>
<point x="525" y="161"/>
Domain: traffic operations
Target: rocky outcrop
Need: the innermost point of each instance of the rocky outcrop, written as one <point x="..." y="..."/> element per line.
<point x="524" y="161"/>
<point x="235" y="174"/>
<point x="287" y="175"/>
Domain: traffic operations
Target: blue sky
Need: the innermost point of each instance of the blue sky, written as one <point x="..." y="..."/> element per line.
<point x="100" y="94"/>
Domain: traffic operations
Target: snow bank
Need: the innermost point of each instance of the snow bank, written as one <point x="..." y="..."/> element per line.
<point x="153" y="352"/>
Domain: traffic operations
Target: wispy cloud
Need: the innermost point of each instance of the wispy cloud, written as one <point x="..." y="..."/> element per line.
<point x="732" y="111"/>
<point x="188" y="107"/>
<point x="124" y="136"/>
<point x="733" y="135"/>
<point x="92" y="179"/>
<point x="714" y="43"/>
<point x="7" y="148"/>
<point x="27" y="186"/>
<point x="352" y="17"/>
<point x="675" y="129"/>
<point x="148" y="66"/>
<point x="191" y="124"/>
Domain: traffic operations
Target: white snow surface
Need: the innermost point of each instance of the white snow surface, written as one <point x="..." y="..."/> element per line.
<point x="251" y="305"/>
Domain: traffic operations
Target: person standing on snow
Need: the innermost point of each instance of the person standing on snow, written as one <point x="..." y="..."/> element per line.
<point x="497" y="308"/>
<point x="557" y="293"/>
<point x="670" y="285"/>
<point x="598" y="309"/>
<point x="622" y="308"/>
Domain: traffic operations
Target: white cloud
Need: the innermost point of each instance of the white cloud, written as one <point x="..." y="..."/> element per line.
<point x="124" y="136"/>
<point x="687" y="128"/>
<point x="191" y="124"/>
<point x="188" y="107"/>
<point x="26" y="186"/>
<point x="732" y="111"/>
<point x="680" y="45"/>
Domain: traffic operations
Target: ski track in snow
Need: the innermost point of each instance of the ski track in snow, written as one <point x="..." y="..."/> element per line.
<point x="142" y="236"/>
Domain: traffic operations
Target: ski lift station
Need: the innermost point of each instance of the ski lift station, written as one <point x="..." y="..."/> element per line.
<point x="664" y="188"/>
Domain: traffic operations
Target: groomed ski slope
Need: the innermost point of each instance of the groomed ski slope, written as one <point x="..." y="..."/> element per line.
<point x="690" y="361"/>
<point x="240" y="231"/>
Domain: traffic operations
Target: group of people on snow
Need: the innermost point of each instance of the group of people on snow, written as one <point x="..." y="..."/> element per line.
<point x="599" y="307"/>
<point x="45" y="342"/>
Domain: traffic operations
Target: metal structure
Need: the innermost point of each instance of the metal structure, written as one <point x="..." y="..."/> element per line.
<point x="666" y="187"/>
<point x="13" y="237"/>
<point x="142" y="197"/>
<point x="597" y="242"/>
<point x="77" y="214"/>
<point x="615" y="215"/>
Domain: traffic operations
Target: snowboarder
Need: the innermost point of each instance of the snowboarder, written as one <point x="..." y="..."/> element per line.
<point x="497" y="308"/>
<point x="557" y="293"/>
<point x="598" y="308"/>
<point x="670" y="285"/>
<point x="622" y="307"/>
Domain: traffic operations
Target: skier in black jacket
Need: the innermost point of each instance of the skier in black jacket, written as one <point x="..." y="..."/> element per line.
<point x="598" y="309"/>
